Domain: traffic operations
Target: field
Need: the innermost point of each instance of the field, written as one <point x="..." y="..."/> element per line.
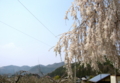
<point x="32" y="79"/>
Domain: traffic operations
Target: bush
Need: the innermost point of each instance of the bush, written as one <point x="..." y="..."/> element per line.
<point x="57" y="77"/>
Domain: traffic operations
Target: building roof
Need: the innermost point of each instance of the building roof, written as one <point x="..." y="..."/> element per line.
<point x="83" y="78"/>
<point x="99" y="77"/>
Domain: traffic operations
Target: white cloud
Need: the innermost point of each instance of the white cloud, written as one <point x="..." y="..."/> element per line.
<point x="10" y="49"/>
<point x="9" y="46"/>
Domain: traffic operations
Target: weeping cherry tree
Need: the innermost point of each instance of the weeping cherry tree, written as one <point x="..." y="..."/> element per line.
<point x="95" y="34"/>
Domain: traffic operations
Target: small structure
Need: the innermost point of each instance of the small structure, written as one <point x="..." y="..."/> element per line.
<point x="101" y="78"/>
<point x="84" y="80"/>
<point x="105" y="78"/>
<point x="115" y="78"/>
<point x="78" y="80"/>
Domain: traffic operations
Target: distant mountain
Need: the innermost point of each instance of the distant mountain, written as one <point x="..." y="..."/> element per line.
<point x="45" y="69"/>
<point x="11" y="69"/>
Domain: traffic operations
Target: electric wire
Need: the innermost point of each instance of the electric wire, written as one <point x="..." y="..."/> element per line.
<point x="25" y="33"/>
<point x="35" y="17"/>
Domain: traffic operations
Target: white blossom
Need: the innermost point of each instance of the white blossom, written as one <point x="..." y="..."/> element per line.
<point x="95" y="37"/>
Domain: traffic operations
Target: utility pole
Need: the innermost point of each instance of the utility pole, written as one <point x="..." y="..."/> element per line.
<point x="75" y="71"/>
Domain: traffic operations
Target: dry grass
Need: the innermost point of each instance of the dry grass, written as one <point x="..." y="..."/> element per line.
<point x="31" y="79"/>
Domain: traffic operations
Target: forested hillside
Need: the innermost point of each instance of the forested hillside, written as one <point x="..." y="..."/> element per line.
<point x="81" y="70"/>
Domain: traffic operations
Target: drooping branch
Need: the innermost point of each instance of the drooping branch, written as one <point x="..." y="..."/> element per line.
<point x="96" y="37"/>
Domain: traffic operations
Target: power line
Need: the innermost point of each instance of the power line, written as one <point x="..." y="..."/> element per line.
<point x="35" y="17"/>
<point x="24" y="33"/>
<point x="39" y="68"/>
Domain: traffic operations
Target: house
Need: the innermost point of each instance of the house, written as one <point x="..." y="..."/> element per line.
<point x="105" y="78"/>
<point x="101" y="78"/>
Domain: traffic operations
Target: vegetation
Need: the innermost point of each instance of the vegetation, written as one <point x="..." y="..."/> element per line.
<point x="95" y="34"/>
<point x="82" y="71"/>
<point x="23" y="77"/>
<point x="57" y="77"/>
<point x="59" y="71"/>
<point x="32" y="79"/>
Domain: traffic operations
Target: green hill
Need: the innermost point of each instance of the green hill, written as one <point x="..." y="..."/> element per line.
<point x="45" y="69"/>
<point x="81" y="71"/>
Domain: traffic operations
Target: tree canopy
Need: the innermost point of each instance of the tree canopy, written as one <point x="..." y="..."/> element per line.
<point x="95" y="33"/>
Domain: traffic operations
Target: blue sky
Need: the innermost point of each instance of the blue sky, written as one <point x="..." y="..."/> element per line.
<point x="19" y="49"/>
